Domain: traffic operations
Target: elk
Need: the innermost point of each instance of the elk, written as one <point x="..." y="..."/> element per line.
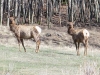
<point x="25" y="32"/>
<point x="79" y="36"/>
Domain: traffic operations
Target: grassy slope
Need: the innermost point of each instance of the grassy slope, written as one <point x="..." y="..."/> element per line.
<point x="49" y="61"/>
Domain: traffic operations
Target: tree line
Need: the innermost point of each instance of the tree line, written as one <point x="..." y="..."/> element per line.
<point x="33" y="11"/>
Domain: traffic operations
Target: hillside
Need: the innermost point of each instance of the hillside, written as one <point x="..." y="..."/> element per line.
<point x="54" y="36"/>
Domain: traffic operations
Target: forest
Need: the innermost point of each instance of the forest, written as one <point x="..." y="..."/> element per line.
<point x="47" y="11"/>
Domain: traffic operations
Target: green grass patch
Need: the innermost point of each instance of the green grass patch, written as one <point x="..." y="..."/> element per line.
<point x="47" y="62"/>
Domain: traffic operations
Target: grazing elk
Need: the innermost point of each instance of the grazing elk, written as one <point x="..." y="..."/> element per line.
<point x="79" y="36"/>
<point x="25" y="32"/>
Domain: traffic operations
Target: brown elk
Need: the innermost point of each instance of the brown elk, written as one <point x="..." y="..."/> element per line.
<point x="79" y="36"/>
<point x="25" y="32"/>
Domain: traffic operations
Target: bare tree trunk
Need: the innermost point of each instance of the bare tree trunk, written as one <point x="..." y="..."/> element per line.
<point x="66" y="12"/>
<point x="60" y="13"/>
<point x="72" y="11"/>
<point x="53" y="5"/>
<point x="8" y="12"/>
<point x="16" y="8"/>
<point x="69" y="10"/>
<point x="12" y="7"/>
<point x="90" y="11"/>
<point x="5" y="3"/>
<point x="19" y="10"/>
<point x="33" y="11"/>
<point x="97" y="9"/>
<point x="56" y="6"/>
<point x="42" y="10"/>
<point x="47" y="15"/>
<point x="29" y="15"/>
<point x="26" y="11"/>
<point x="49" y="12"/>
<point x="1" y="10"/>
<point x="83" y="10"/>
<point x="23" y="6"/>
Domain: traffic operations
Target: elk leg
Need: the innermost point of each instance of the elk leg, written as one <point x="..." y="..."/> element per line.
<point x="18" y="39"/>
<point x="23" y="45"/>
<point x="84" y="50"/>
<point x="37" y="40"/>
<point x="78" y="48"/>
<point x="85" y="47"/>
<point x="37" y="46"/>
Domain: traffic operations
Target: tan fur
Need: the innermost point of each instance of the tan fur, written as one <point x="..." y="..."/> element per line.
<point x="25" y="32"/>
<point x="79" y="36"/>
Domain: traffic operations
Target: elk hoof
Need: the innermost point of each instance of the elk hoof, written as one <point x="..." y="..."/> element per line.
<point x="19" y="50"/>
<point x="85" y="54"/>
<point x="25" y="51"/>
<point x="36" y="51"/>
<point x="78" y="54"/>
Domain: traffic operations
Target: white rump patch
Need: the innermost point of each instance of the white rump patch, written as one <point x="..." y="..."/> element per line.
<point x="86" y="33"/>
<point x="38" y="29"/>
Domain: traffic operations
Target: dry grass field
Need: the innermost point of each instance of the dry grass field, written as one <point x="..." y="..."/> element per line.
<point x="56" y="56"/>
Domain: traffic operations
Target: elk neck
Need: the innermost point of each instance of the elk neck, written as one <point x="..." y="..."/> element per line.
<point x="71" y="31"/>
<point x="13" y="25"/>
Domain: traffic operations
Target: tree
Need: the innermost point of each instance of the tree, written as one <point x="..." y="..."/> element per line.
<point x="1" y="11"/>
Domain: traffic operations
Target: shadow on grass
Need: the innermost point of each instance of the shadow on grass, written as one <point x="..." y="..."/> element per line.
<point x="57" y="52"/>
<point x="65" y="53"/>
